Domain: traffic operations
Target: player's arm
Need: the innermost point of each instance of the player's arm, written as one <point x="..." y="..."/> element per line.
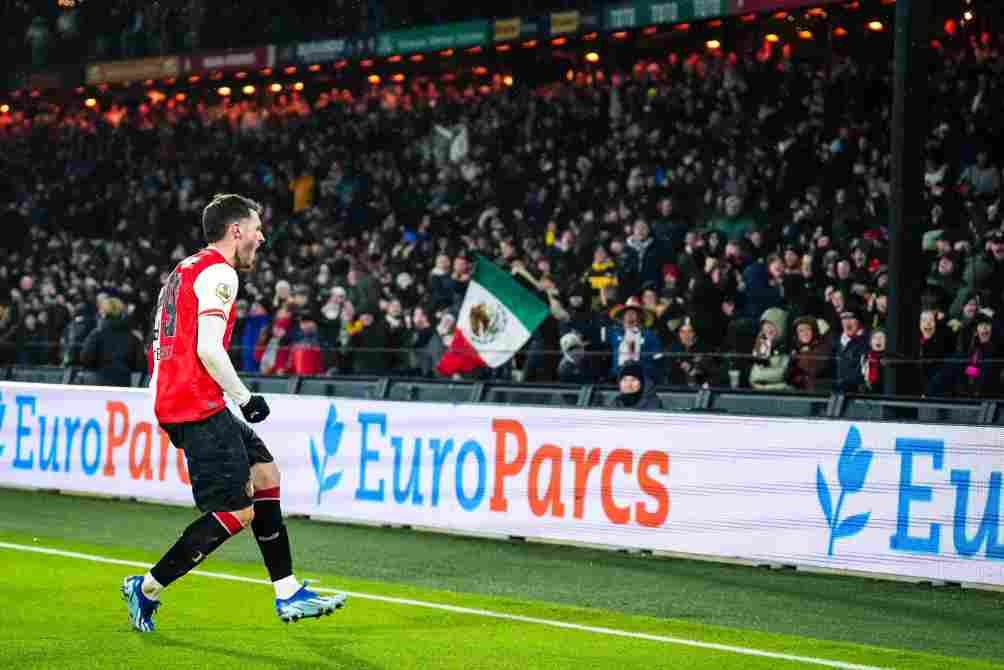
<point x="216" y="289"/>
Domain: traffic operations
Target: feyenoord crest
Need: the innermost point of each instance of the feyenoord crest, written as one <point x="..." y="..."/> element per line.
<point x="487" y="321"/>
<point x="225" y="292"/>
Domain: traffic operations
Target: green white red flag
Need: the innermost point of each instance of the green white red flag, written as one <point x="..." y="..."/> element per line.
<point x="497" y="318"/>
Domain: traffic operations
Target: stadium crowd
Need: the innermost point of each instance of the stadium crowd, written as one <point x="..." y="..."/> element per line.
<point x="707" y="221"/>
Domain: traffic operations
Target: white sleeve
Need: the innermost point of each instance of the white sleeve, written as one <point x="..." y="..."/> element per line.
<point x="216" y="289"/>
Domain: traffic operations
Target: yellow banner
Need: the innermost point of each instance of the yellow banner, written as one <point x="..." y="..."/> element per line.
<point x="132" y="70"/>
<point x="564" y="22"/>
<point x="507" y="29"/>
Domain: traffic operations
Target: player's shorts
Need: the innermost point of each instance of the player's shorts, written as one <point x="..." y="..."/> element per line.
<point x="220" y="451"/>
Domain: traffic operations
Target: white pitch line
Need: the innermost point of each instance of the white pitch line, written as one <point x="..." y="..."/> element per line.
<point x="599" y="630"/>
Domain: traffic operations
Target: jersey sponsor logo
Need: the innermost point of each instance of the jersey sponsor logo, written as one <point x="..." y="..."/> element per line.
<point x="225" y="292"/>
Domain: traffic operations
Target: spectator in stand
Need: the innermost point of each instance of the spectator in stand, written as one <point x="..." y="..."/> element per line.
<point x="307" y="357"/>
<point x="983" y="372"/>
<point x="770" y="353"/>
<point x="812" y="358"/>
<point x="636" y="389"/>
<point x="633" y="340"/>
<point x="273" y="351"/>
<point x="112" y="350"/>
<point x="875" y="363"/>
<point x="574" y="367"/>
<point x="936" y="351"/>
<point x="851" y="347"/>
<point x="680" y="359"/>
<point x="83" y="321"/>
<point x="256" y="322"/>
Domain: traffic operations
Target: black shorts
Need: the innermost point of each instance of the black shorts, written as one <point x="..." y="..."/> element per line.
<point x="220" y="451"/>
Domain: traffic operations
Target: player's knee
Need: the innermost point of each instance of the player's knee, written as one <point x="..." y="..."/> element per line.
<point x="245" y="516"/>
<point x="265" y="476"/>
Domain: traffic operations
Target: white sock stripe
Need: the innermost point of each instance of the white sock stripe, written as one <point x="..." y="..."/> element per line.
<point x="599" y="630"/>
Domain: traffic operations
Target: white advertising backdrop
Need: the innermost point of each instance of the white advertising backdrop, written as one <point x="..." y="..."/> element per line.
<point x="912" y="500"/>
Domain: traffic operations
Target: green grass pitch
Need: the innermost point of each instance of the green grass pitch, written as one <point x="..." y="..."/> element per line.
<point x="423" y="600"/>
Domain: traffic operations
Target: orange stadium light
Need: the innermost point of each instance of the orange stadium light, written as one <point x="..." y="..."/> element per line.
<point x="772" y="38"/>
<point x="967" y="15"/>
<point x="472" y="50"/>
<point x="417" y="58"/>
<point x="480" y="70"/>
<point x="503" y="47"/>
<point x="876" y="26"/>
<point x="529" y="44"/>
<point x="507" y="80"/>
<point x="592" y="57"/>
<point x="621" y="35"/>
<point x="446" y="53"/>
<point x="4" y="109"/>
<point x="275" y="88"/>
<point x="805" y="34"/>
<point x="290" y="70"/>
<point x="748" y="18"/>
<point x="396" y="58"/>
<point x="298" y="86"/>
<point x="683" y="27"/>
<point x="781" y="15"/>
<point x="559" y="41"/>
<point x="817" y="12"/>
<point x="591" y="37"/>
<point x="91" y="102"/>
<point x="853" y="5"/>
<point x="398" y="77"/>
<point x="180" y="97"/>
<point x="314" y="68"/>
<point x="265" y="72"/>
<point x="651" y="30"/>
<point x="248" y="90"/>
<point x="374" y="79"/>
<point x="224" y="91"/>
<point x="717" y="23"/>
<point x="840" y="31"/>
<point x="241" y="75"/>
<point x="194" y="79"/>
<point x="713" y="45"/>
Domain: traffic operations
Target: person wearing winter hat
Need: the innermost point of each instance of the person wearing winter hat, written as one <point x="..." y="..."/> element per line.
<point x="635" y="391"/>
<point x="574" y="368"/>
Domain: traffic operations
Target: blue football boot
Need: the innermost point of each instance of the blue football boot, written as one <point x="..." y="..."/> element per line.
<point x="141" y="608"/>
<point x="306" y="604"/>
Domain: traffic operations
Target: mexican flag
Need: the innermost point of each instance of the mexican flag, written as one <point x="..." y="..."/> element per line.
<point x="497" y="318"/>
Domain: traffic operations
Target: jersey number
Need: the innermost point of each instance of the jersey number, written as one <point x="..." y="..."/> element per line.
<point x="168" y="306"/>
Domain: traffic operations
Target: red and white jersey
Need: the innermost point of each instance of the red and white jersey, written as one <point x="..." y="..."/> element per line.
<point x="201" y="285"/>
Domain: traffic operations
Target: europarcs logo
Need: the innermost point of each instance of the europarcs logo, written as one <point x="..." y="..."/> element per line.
<point x="852" y="470"/>
<point x="331" y="442"/>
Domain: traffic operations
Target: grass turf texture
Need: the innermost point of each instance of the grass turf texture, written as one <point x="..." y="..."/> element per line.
<point x="63" y="612"/>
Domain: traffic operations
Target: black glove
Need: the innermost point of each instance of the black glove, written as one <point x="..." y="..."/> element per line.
<point x="255" y="409"/>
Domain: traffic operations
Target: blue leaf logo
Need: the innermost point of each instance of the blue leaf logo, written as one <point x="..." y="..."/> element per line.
<point x="333" y="430"/>
<point x="852" y="470"/>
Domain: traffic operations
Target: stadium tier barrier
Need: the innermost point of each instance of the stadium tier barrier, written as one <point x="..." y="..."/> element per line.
<point x="916" y="501"/>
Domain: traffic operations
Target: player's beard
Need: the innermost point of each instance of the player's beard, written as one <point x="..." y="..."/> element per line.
<point x="245" y="260"/>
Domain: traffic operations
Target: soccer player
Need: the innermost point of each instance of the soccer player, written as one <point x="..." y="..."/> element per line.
<point x="235" y="481"/>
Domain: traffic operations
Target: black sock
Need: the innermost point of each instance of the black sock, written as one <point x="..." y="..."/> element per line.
<point x="270" y="533"/>
<point x="200" y="539"/>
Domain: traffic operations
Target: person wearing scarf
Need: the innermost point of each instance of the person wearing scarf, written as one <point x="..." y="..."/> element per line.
<point x="983" y="373"/>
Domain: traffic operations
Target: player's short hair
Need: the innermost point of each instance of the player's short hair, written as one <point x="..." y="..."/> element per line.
<point x="223" y="210"/>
